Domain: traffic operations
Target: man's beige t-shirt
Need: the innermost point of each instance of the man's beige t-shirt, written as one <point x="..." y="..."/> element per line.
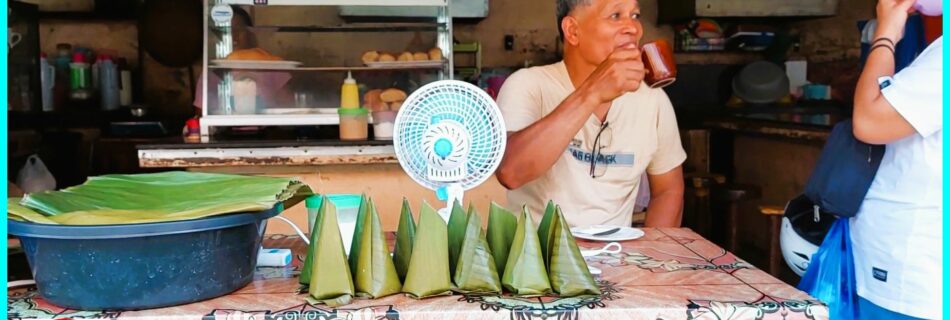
<point x="642" y="135"/>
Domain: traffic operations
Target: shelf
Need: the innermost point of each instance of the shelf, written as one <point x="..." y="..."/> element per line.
<point x="717" y="57"/>
<point x="382" y="3"/>
<point x="282" y="153"/>
<point x="270" y="120"/>
<point x="429" y="16"/>
<point x="89" y="16"/>
<point x="251" y="144"/>
<point x="359" y="27"/>
<point x="330" y="69"/>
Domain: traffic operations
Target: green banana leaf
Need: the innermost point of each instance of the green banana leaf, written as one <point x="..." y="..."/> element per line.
<point x="404" y="236"/>
<point x="304" y="277"/>
<point x="525" y="274"/>
<point x="330" y="279"/>
<point x="428" y="273"/>
<point x="457" y="221"/>
<point x="501" y="231"/>
<point x="567" y="269"/>
<point x="17" y="212"/>
<point x="544" y="231"/>
<point x="475" y="272"/>
<point x="166" y="196"/>
<point x="357" y="239"/>
<point x="374" y="274"/>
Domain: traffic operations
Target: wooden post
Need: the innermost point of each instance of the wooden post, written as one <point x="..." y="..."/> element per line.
<point x="774" y="213"/>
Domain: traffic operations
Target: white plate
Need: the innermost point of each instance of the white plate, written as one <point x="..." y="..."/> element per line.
<point x="257" y="64"/>
<point x="624" y="234"/>
<point x="405" y="64"/>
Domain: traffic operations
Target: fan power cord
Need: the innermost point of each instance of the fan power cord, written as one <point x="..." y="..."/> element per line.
<point x="296" y="229"/>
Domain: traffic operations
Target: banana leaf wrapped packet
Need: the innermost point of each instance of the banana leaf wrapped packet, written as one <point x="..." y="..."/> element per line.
<point x="330" y="281"/>
<point x="567" y="269"/>
<point x="544" y="229"/>
<point x="428" y="273"/>
<point x="405" y="234"/>
<point x="374" y="274"/>
<point x="456" y="234"/>
<point x="525" y="274"/>
<point x="475" y="271"/>
<point x="501" y="232"/>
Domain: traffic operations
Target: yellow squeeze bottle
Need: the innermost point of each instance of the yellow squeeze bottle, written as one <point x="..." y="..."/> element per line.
<point x="350" y="93"/>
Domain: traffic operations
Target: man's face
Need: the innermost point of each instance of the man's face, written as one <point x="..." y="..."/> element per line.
<point x="605" y="25"/>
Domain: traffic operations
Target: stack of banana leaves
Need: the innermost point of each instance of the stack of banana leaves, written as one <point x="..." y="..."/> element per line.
<point x="156" y="197"/>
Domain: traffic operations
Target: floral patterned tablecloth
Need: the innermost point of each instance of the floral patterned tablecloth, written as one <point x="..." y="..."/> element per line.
<point x="667" y="274"/>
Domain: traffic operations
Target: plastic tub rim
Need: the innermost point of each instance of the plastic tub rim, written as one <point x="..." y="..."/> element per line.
<point x="120" y="231"/>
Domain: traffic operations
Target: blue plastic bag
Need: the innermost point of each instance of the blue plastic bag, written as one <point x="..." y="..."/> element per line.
<point x="830" y="275"/>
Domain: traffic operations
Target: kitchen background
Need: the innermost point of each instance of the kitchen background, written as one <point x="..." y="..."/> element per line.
<point x="823" y="40"/>
<point x="742" y="159"/>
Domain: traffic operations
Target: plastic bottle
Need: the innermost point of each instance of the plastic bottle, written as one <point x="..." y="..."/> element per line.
<point x="79" y="78"/>
<point x="63" y="56"/>
<point x="47" y="80"/>
<point x="350" y="93"/>
<point x="61" y="60"/>
<point x="108" y="83"/>
<point x="95" y="72"/>
<point x="125" y="83"/>
<point x="354" y="123"/>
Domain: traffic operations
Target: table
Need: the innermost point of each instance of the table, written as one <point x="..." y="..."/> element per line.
<point x="670" y="273"/>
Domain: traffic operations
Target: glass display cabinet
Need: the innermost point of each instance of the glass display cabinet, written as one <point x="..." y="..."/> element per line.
<point x="283" y="62"/>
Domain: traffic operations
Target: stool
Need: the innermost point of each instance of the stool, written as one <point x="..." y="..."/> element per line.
<point x="697" y="214"/>
<point x="733" y="195"/>
<point x="639" y="218"/>
<point x="774" y="214"/>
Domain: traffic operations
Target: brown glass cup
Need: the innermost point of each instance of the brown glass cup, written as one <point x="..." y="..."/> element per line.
<point x="658" y="60"/>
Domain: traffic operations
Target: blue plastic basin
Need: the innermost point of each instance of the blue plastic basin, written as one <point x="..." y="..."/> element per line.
<point x="142" y="266"/>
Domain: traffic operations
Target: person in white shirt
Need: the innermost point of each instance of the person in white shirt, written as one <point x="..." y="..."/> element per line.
<point x="897" y="234"/>
<point x="584" y="130"/>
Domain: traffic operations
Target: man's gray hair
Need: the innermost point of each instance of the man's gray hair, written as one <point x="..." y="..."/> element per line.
<point x="564" y="8"/>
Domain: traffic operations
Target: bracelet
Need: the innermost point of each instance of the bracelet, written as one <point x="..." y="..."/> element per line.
<point x="884" y="39"/>
<point x="881" y="46"/>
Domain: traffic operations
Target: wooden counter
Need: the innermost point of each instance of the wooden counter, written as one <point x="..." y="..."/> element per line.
<point x="774" y="129"/>
<point x="265" y="153"/>
<point x="329" y="167"/>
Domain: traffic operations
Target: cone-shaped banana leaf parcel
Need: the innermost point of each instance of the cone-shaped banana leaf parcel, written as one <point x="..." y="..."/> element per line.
<point x="544" y="231"/>
<point x="567" y="269"/>
<point x="428" y="273"/>
<point x="525" y="274"/>
<point x="330" y="280"/>
<point x="501" y="231"/>
<point x="374" y="275"/>
<point x="475" y="271"/>
<point x="456" y="229"/>
<point x="405" y="233"/>
<point x="304" y="277"/>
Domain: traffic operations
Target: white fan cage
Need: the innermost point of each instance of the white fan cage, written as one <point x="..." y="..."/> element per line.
<point x="467" y="105"/>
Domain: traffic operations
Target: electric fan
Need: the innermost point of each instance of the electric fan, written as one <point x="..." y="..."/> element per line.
<point x="449" y="137"/>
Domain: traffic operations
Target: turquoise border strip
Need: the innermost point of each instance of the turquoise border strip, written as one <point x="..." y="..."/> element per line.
<point x="945" y="159"/>
<point x="3" y="151"/>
